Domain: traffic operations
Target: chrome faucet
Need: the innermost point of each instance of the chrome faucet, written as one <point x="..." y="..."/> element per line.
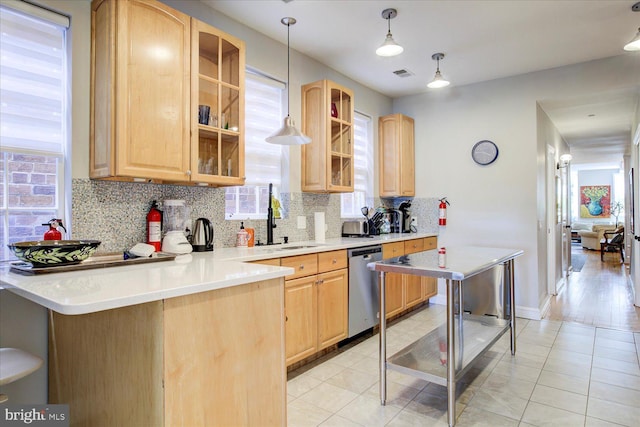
<point x="271" y="224"/>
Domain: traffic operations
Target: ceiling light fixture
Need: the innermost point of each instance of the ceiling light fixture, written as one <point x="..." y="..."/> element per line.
<point x="389" y="47"/>
<point x="438" y="81"/>
<point x="634" y="44"/>
<point x="288" y="134"/>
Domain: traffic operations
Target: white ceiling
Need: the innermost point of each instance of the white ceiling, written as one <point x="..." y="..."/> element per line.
<point x="482" y="40"/>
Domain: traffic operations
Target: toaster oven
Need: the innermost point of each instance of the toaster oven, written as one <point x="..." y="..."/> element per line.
<point x="355" y="228"/>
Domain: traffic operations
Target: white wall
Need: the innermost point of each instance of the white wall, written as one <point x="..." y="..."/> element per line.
<point x="499" y="205"/>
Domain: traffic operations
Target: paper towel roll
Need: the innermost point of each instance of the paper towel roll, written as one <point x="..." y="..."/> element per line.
<point x="319" y="226"/>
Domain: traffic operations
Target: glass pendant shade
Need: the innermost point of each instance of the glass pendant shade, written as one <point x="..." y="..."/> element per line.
<point x="389" y="47"/>
<point x="288" y="135"/>
<point x="438" y="81"/>
<point x="634" y="44"/>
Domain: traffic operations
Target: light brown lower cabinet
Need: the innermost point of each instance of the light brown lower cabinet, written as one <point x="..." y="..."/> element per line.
<point x="405" y="291"/>
<point x="214" y="358"/>
<point x="316" y="303"/>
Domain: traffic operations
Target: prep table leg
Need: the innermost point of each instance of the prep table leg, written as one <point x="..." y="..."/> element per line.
<point x="383" y="341"/>
<point x="512" y="304"/>
<point x="451" y="371"/>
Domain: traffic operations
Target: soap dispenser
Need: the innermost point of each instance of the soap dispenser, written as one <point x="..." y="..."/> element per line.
<point x="242" y="238"/>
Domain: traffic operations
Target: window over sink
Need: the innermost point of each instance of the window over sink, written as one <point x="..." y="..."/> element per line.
<point x="263" y="161"/>
<point x="34" y="114"/>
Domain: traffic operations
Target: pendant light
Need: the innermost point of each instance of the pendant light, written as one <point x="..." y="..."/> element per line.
<point x="288" y="134"/>
<point x="389" y="47"/>
<point x="438" y="81"/>
<point x="634" y="44"/>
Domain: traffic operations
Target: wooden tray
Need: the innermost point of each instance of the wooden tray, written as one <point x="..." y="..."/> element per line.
<point x="113" y="259"/>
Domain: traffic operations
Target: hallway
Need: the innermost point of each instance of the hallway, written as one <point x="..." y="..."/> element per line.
<point x="599" y="295"/>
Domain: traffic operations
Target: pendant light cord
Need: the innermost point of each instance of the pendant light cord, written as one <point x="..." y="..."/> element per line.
<point x="288" y="71"/>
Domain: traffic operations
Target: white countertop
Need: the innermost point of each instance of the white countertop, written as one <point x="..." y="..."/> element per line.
<point x="100" y="289"/>
<point x="461" y="262"/>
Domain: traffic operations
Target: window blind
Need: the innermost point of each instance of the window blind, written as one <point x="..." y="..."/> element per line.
<point x="263" y="161"/>
<point x="363" y="169"/>
<point x="32" y="83"/>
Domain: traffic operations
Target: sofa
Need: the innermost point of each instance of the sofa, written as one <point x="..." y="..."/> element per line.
<point x="590" y="239"/>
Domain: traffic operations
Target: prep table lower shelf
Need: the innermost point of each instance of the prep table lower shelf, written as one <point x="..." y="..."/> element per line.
<point x="426" y="358"/>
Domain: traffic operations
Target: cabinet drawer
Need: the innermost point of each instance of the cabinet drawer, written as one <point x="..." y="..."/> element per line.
<point x="334" y="260"/>
<point x="430" y="243"/>
<point x="413" y="246"/>
<point x="305" y="265"/>
<point x="392" y="250"/>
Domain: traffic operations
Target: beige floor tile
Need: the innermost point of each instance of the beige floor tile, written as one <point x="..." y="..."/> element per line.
<point x="338" y="421"/>
<point x="409" y="418"/>
<point x="614" y="393"/>
<point x="347" y="358"/>
<point x="613" y="412"/>
<point x="476" y="417"/>
<point x="631" y="368"/>
<point x="508" y="384"/>
<point x="520" y="372"/>
<point x="575" y="369"/>
<point x="528" y="348"/>
<point x="584" y="346"/>
<point x="594" y="422"/>
<point x="432" y="404"/>
<point x="615" y="344"/>
<point x="613" y="334"/>
<point x="325" y="370"/>
<point x="610" y="353"/>
<point x="560" y="399"/>
<point x="302" y="384"/>
<point x="569" y="356"/>
<point x="616" y="378"/>
<point x="499" y="402"/>
<point x="368" y="412"/>
<point x="525" y="359"/>
<point x="328" y="397"/>
<point x="578" y="329"/>
<point x="368" y="365"/>
<point x="564" y="382"/>
<point x="303" y="414"/>
<point x="397" y="395"/>
<point x="352" y="380"/>
<point x="543" y="415"/>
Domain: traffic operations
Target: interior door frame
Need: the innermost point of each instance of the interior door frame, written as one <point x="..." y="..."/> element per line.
<point x="634" y="258"/>
<point x="551" y="219"/>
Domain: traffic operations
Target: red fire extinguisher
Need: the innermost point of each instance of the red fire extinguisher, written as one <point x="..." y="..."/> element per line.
<point x="154" y="226"/>
<point x="442" y="219"/>
<point x="53" y="233"/>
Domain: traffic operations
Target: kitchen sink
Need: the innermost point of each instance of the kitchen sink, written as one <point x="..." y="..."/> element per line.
<point x="298" y="247"/>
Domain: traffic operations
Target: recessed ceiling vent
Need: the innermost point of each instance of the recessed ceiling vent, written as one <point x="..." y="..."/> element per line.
<point x="403" y="73"/>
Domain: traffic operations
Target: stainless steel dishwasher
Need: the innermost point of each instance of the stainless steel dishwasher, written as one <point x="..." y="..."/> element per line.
<point x="363" y="289"/>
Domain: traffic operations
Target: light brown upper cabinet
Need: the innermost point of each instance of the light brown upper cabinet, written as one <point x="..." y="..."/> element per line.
<point x="146" y="92"/>
<point x="327" y="118"/>
<point x="396" y="156"/>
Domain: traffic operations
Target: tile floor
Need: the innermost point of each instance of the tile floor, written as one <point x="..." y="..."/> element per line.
<point x="564" y="374"/>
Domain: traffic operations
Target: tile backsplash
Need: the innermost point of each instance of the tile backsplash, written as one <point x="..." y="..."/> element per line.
<point x="115" y="213"/>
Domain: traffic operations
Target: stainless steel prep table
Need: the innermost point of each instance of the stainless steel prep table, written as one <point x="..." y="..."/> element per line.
<point x="465" y="336"/>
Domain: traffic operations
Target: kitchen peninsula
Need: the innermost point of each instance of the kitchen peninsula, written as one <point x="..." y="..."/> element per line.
<point x="199" y="340"/>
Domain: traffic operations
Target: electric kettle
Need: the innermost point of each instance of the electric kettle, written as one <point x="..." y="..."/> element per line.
<point x="202" y="240"/>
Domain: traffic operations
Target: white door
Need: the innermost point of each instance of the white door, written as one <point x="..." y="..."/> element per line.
<point x="563" y="195"/>
<point x="634" y="261"/>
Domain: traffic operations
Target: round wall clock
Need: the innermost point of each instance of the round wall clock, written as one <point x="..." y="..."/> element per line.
<point x="484" y="152"/>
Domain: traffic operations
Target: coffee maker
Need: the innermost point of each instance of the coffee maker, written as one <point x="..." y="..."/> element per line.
<point x="405" y="217"/>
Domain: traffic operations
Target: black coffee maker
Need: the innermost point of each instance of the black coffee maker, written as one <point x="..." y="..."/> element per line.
<point x="405" y="217"/>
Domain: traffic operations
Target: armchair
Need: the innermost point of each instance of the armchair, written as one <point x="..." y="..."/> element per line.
<point x="590" y="239"/>
<point x="613" y="241"/>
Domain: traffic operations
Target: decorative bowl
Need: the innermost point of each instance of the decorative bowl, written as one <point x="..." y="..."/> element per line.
<point x="47" y="253"/>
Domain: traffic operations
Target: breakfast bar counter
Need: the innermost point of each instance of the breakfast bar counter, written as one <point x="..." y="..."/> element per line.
<point x="445" y="354"/>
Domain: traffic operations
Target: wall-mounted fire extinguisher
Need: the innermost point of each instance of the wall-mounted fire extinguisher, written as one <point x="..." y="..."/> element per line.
<point x="53" y="233"/>
<point x="154" y="226"/>
<point x="442" y="219"/>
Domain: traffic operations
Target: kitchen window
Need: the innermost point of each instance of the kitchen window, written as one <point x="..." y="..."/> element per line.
<point x="33" y="120"/>
<point x="263" y="161"/>
<point x="351" y="203"/>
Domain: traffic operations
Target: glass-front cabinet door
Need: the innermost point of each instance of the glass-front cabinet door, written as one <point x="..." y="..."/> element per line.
<point x="217" y="94"/>
<point x="341" y="139"/>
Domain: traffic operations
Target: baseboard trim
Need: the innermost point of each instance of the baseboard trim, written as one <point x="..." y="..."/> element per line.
<point x="521" y="311"/>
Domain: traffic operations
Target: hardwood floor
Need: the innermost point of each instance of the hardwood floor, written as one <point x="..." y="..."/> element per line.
<point x="599" y="295"/>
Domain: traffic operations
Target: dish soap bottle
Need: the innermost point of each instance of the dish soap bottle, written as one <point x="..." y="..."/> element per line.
<point x="242" y="237"/>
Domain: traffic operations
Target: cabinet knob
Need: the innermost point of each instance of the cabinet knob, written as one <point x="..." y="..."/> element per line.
<point x="335" y="260"/>
<point x="188" y="173"/>
<point x="301" y="266"/>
